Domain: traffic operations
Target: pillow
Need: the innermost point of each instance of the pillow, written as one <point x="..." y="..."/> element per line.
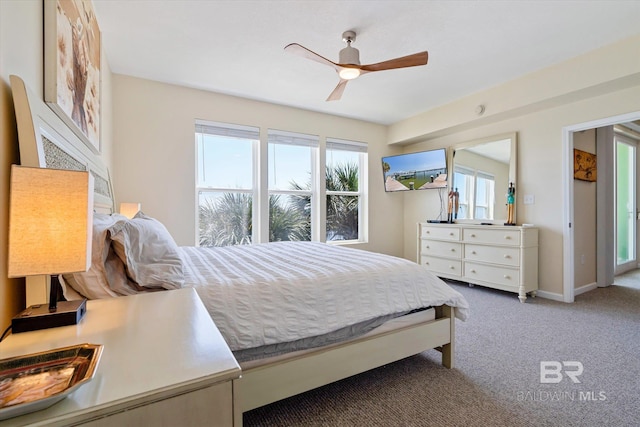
<point x="69" y="293"/>
<point x="150" y="255"/>
<point x="117" y="277"/>
<point x="94" y="283"/>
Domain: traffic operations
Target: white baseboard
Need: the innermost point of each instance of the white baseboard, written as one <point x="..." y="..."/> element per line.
<point x="550" y="295"/>
<point x="585" y="288"/>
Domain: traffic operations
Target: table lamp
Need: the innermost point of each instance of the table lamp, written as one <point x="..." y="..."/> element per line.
<point x="50" y="227"/>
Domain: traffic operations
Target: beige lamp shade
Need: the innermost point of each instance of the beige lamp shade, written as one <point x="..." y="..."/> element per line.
<point x="129" y="209"/>
<point x="50" y="221"/>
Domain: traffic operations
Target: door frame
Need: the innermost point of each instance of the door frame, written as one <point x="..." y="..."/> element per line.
<point x="632" y="264"/>
<point x="568" y="192"/>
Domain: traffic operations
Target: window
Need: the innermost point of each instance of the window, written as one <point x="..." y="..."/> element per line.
<point x="345" y="171"/>
<point x="224" y="186"/>
<point x="477" y="193"/>
<point x="485" y="197"/>
<point x="251" y="190"/>
<point x="292" y="184"/>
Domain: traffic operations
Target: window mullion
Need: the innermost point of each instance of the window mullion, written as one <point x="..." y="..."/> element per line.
<point x="319" y="210"/>
<point x="261" y="187"/>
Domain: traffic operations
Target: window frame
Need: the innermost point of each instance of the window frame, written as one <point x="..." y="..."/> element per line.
<point x="471" y="177"/>
<point x="363" y="159"/>
<point x="217" y="129"/>
<point x="260" y="190"/>
<point x="275" y="136"/>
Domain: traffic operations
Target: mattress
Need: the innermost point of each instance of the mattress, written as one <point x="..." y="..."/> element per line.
<point x="341" y="335"/>
<point x="272" y="293"/>
<point x="398" y="322"/>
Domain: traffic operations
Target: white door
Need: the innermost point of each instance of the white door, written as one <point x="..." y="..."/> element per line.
<point x="625" y="206"/>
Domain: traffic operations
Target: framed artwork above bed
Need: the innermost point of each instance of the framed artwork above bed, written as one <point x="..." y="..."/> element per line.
<point x="72" y="54"/>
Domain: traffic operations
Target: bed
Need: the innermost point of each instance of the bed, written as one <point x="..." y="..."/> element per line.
<point x="360" y="311"/>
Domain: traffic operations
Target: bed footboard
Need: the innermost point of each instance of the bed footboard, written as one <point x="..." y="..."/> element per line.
<point x="269" y="383"/>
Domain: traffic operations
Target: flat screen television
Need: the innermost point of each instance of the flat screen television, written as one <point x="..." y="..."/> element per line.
<point x="415" y="171"/>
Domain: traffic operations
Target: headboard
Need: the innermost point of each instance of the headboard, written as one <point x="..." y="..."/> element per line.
<point x="47" y="142"/>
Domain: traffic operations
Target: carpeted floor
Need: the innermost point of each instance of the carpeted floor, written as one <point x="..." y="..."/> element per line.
<point x="497" y="379"/>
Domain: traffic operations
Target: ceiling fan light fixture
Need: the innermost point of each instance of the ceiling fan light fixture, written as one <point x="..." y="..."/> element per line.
<point x="349" y="73"/>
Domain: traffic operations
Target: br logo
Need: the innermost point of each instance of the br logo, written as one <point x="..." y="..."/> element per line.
<point x="552" y="372"/>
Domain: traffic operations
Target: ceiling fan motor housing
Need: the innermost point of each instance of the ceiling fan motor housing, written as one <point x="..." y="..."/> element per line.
<point x="350" y="55"/>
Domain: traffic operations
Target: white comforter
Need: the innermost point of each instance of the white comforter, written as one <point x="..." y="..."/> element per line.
<point x="280" y="292"/>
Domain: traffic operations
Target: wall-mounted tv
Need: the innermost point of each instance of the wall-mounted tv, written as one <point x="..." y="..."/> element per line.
<point x="415" y="171"/>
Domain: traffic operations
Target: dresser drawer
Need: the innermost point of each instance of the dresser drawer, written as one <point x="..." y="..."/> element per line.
<point x="441" y="249"/>
<point x="441" y="233"/>
<point x="496" y="236"/>
<point x="494" y="274"/>
<point x="450" y="267"/>
<point x="494" y="254"/>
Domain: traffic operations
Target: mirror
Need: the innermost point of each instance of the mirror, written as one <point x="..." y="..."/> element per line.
<point x="482" y="172"/>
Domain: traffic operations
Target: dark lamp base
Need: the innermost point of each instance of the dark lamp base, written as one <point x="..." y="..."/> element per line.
<point x="39" y="317"/>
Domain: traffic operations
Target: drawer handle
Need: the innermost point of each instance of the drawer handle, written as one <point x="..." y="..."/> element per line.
<point x="473" y="271"/>
<point x="453" y="250"/>
<point x="428" y="232"/>
<point x="507" y="237"/>
<point x="506" y="276"/>
<point x="427" y="247"/>
<point x="506" y="256"/>
<point x="473" y="252"/>
<point x="452" y="267"/>
<point x="451" y="234"/>
<point x="473" y="235"/>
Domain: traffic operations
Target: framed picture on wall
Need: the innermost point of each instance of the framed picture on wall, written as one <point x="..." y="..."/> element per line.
<point x="584" y="166"/>
<point x="72" y="66"/>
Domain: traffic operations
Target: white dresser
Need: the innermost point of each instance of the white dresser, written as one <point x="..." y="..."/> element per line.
<point x="164" y="363"/>
<point x="495" y="256"/>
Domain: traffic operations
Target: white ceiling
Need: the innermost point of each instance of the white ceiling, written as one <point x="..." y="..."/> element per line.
<point x="236" y="47"/>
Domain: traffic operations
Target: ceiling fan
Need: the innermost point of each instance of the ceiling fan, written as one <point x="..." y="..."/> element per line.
<point x="349" y="66"/>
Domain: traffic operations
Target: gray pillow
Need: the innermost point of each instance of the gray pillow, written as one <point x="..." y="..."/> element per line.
<point x="94" y="283"/>
<point x="150" y="255"/>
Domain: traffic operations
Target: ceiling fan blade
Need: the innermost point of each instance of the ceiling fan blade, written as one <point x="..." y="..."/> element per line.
<point x="402" y="62"/>
<point x="297" y="49"/>
<point x="337" y="92"/>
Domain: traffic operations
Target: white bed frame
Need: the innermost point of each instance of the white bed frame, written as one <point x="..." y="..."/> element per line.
<point x="46" y="141"/>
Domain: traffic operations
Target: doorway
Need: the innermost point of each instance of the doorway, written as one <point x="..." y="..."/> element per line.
<point x="606" y="253"/>
<point x="626" y="212"/>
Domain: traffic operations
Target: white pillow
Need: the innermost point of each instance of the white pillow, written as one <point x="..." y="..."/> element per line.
<point x="69" y="293"/>
<point x="117" y="276"/>
<point x="151" y="256"/>
<point x="94" y="283"/>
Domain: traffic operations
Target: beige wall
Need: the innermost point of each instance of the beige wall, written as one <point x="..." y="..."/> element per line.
<point x="584" y="217"/>
<point x="19" y="20"/>
<point x="607" y="91"/>
<point x="21" y="53"/>
<point x="154" y="157"/>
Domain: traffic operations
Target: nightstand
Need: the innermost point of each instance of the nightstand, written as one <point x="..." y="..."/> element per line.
<point x="164" y="362"/>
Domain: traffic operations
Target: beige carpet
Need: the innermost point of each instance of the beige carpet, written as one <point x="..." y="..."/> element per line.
<point x="497" y="378"/>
